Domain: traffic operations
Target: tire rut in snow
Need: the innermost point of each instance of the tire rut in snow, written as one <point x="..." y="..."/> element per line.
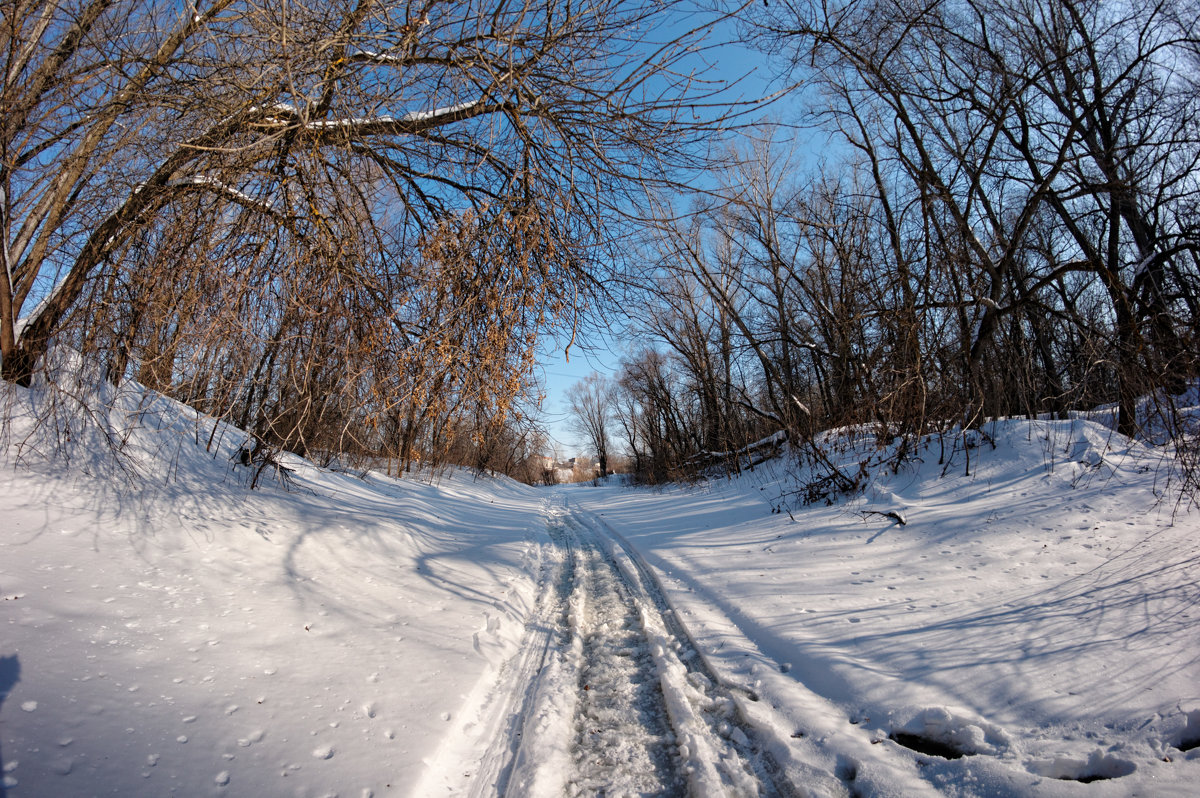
<point x="733" y="755"/>
<point x="622" y="704"/>
<point x="546" y="648"/>
<point x="623" y="742"/>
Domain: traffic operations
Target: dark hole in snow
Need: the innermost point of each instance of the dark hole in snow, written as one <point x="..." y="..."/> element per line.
<point x="1106" y="768"/>
<point x="1188" y="745"/>
<point x="924" y="745"/>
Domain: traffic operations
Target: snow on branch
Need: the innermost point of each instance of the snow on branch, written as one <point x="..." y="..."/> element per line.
<point x="280" y="116"/>
<point x="1144" y="264"/>
<point x="412" y="122"/>
<point x="376" y="57"/>
<point x="238" y="196"/>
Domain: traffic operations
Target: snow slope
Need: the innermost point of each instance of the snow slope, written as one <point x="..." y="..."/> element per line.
<point x="194" y="637"/>
<point x="1042" y="613"/>
<point x="358" y="635"/>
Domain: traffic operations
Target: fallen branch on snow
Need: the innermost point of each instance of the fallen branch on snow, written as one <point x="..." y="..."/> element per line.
<point x="892" y="514"/>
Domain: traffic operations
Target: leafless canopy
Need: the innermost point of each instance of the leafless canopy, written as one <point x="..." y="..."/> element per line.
<point x="1008" y="223"/>
<point x="260" y="205"/>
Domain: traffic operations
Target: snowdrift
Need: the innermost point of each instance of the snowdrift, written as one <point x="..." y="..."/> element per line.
<point x="177" y="633"/>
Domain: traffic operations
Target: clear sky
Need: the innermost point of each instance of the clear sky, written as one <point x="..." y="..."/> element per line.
<point x="560" y="374"/>
<point x="731" y="61"/>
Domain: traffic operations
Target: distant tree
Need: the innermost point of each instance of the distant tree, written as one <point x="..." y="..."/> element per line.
<point x="655" y="417"/>
<point x="1036" y="165"/>
<point x="591" y="403"/>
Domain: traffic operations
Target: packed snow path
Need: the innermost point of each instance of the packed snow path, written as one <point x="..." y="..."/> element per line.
<point x="621" y="703"/>
<point x="623" y="740"/>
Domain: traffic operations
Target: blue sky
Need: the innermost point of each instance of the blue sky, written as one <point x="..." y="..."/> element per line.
<point x="729" y="61"/>
<point x="560" y="374"/>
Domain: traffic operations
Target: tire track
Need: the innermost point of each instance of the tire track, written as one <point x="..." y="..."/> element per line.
<point x="728" y="747"/>
<point x="624" y="744"/>
<point x="614" y="699"/>
<point x="545" y="638"/>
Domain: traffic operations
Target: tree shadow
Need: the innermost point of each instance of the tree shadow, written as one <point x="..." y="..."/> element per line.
<point x="10" y="674"/>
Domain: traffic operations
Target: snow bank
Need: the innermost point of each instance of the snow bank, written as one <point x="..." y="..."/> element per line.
<point x="1032" y="624"/>
<point x="180" y="634"/>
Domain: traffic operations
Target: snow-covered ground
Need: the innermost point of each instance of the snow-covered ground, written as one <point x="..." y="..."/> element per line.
<point x="359" y="635"/>
<point x="1042" y="614"/>
<point x="192" y="637"/>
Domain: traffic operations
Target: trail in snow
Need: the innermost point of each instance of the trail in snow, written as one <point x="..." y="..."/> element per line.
<point x="175" y="632"/>
<point x="623" y="738"/>
<point x="721" y="746"/>
<point x="622" y="704"/>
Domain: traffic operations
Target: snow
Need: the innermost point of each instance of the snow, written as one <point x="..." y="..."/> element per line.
<point x="354" y="634"/>
<point x="237" y="195"/>
<point x="408" y="118"/>
<point x="1044" y="619"/>
<point x="196" y="635"/>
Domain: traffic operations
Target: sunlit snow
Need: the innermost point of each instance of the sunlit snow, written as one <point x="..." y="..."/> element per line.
<point x="1033" y="625"/>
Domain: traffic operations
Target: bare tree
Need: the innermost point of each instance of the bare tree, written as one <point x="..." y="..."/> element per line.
<point x="591" y="405"/>
<point x="652" y="415"/>
<point x="991" y="129"/>
<point x="306" y="216"/>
